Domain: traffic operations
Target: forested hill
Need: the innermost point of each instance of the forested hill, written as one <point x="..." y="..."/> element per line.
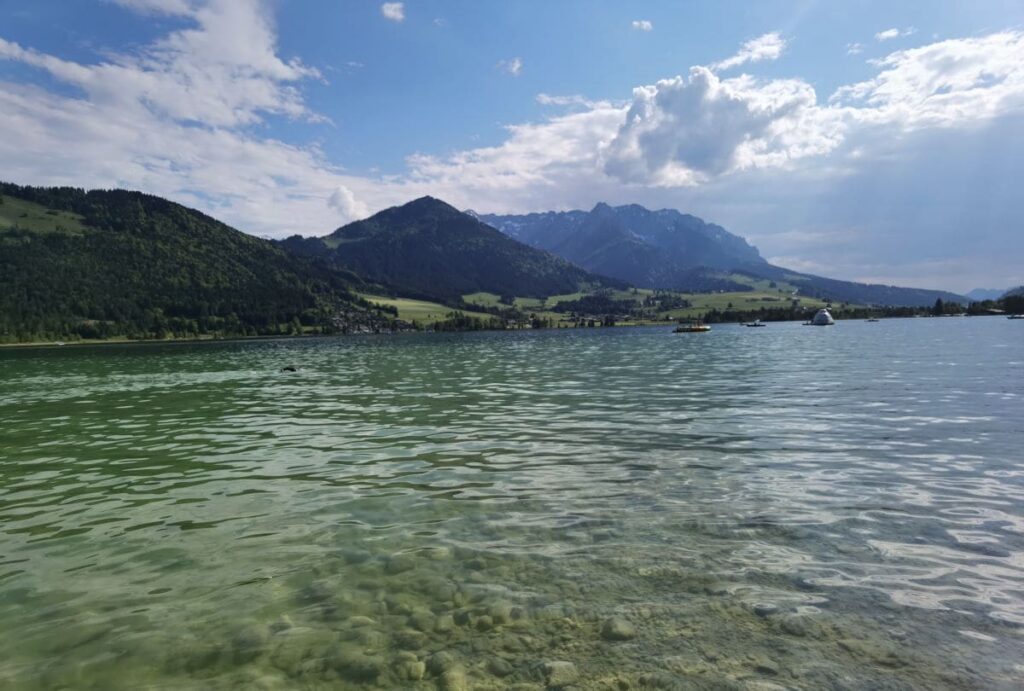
<point x="116" y="263"/>
<point x="428" y="248"/>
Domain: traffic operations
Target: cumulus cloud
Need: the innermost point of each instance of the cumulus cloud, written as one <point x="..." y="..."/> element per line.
<point x="766" y="47"/>
<point x="513" y="66"/>
<point x="343" y="201"/>
<point x="684" y="130"/>
<point x="890" y="34"/>
<point x="181" y="117"/>
<point x="395" y="11"/>
<point x="642" y="25"/>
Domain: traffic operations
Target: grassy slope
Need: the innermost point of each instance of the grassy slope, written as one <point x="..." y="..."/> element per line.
<point x="421" y="311"/>
<point x="33" y="217"/>
<point x="762" y="296"/>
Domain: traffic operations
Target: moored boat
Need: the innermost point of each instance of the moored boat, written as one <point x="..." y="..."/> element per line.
<point x="756" y="323"/>
<point x="691" y="327"/>
<point x="822" y="318"/>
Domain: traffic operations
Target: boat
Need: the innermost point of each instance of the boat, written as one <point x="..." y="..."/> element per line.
<point x="755" y="323"/>
<point x="694" y="326"/>
<point x="822" y="318"/>
<point x="871" y="320"/>
<point x="1016" y="316"/>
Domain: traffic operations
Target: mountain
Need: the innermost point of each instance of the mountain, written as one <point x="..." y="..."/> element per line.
<point x="428" y="248"/>
<point x="979" y="294"/>
<point x="1013" y="292"/>
<point x="119" y="263"/>
<point x="653" y="249"/>
<point x="671" y="250"/>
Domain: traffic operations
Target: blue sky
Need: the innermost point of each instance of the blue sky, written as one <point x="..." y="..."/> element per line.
<point x="863" y="140"/>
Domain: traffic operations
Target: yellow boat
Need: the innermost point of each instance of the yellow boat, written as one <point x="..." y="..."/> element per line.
<point x="692" y="327"/>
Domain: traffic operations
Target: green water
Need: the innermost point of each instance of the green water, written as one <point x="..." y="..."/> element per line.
<point x="787" y="507"/>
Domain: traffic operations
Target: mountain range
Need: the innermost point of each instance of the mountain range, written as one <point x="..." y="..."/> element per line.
<point x="671" y="250"/>
<point x="427" y="248"/>
<point x="979" y="294"/>
<point x="106" y="263"/>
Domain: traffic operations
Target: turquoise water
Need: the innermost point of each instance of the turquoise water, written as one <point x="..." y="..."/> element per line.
<point x="787" y="507"/>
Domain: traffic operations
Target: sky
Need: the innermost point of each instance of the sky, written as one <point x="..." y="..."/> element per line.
<point x="871" y="141"/>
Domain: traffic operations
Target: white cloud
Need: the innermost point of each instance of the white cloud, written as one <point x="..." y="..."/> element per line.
<point x="513" y="66"/>
<point x="566" y="100"/>
<point x="395" y="11"/>
<point x="942" y="84"/>
<point x="683" y="131"/>
<point x="171" y="7"/>
<point x="642" y="25"/>
<point x="181" y="117"/>
<point x="854" y="48"/>
<point x="223" y="72"/>
<point x="766" y="47"/>
<point x="890" y="34"/>
<point x="343" y="201"/>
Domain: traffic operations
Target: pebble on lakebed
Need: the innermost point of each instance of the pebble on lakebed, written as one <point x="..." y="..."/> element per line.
<point x="617" y="629"/>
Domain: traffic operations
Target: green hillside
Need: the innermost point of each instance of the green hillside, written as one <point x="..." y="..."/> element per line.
<point x="429" y="249"/>
<point x="101" y="264"/>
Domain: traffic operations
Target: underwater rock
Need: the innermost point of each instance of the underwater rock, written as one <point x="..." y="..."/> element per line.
<point x="400" y="563"/>
<point x="764" y="665"/>
<point x="500" y="612"/>
<point x="409" y="639"/>
<point x="560" y="673"/>
<point x="440" y="662"/>
<point x="283" y="623"/>
<point x="317" y="591"/>
<point x="454" y="679"/>
<point x="422" y="621"/>
<point x="408" y="667"/>
<point x="764" y="609"/>
<point x="444" y="623"/>
<point x="499" y="667"/>
<point x="794" y="625"/>
<point x="484" y="623"/>
<point x="355" y="665"/>
<point x="248" y="642"/>
<point x="355" y="556"/>
<point x="617" y="629"/>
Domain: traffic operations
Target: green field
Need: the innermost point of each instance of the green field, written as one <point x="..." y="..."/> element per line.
<point x="742" y="301"/>
<point x="421" y="311"/>
<point x="24" y="214"/>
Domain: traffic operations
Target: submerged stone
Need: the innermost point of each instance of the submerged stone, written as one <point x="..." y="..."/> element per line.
<point x="355" y="665"/>
<point x="617" y="629"/>
<point x="408" y="667"/>
<point x="499" y="667"/>
<point x="560" y="673"/>
<point x="454" y="679"/>
<point x="440" y="662"/>
<point x="400" y="563"/>
<point x="248" y="642"/>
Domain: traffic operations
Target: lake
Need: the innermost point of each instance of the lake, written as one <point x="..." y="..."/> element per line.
<point x="787" y="507"/>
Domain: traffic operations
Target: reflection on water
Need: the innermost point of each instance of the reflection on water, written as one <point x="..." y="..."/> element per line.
<point x="623" y="508"/>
